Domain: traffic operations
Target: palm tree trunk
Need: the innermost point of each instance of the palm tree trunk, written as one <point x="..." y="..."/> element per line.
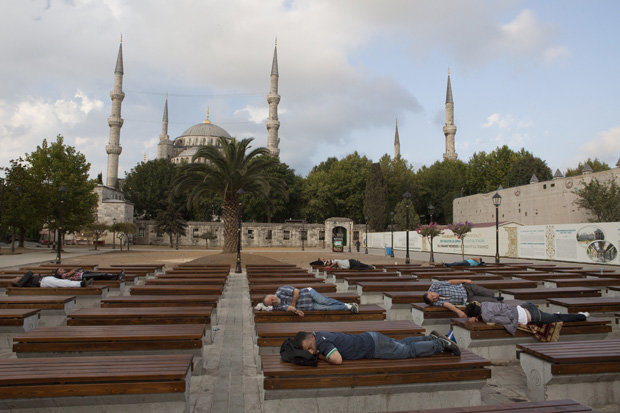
<point x="230" y="216"/>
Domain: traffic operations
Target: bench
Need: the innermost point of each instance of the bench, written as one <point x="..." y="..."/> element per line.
<point x="113" y="340"/>
<point x="342" y="297"/>
<point x="550" y="406"/>
<point x="371" y="292"/>
<point x="16" y="321"/>
<point x="398" y="303"/>
<point x="160" y="301"/>
<point x="350" y="283"/>
<point x="186" y="281"/>
<point x="84" y="296"/>
<point x="115" y="383"/>
<point x="282" y="281"/>
<point x="601" y="283"/>
<point x="271" y="288"/>
<point x="53" y="309"/>
<point x="176" y="290"/>
<point x="586" y="371"/>
<point x="366" y="312"/>
<point x="473" y="277"/>
<point x="540" y="295"/>
<point x="612" y="292"/>
<point x="541" y="277"/>
<point x="441" y="380"/>
<point x="141" y="316"/>
<point x="493" y="342"/>
<point x="271" y="335"/>
<point x="581" y="304"/>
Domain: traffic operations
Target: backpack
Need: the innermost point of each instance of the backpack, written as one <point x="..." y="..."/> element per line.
<point x="292" y="354"/>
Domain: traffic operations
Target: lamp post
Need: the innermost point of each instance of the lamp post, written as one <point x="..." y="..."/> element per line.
<point x="430" y="212"/>
<point x="62" y="192"/>
<point x="407" y="198"/>
<point x="303" y="233"/>
<point x="114" y="233"/>
<point x="392" y="230"/>
<point x="238" y="266"/>
<point x="366" y="242"/>
<point x="497" y="201"/>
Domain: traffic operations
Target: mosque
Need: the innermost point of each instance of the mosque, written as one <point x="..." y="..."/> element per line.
<point x="113" y="207"/>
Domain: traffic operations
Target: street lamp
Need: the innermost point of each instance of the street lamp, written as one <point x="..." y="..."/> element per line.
<point x="407" y="198"/>
<point x="366" y="249"/>
<point x="392" y="230"/>
<point x="303" y="233"/>
<point x="62" y="193"/>
<point x="113" y="233"/>
<point x="497" y="201"/>
<point x="238" y="266"/>
<point x="430" y="212"/>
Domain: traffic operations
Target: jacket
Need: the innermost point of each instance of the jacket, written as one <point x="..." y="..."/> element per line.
<point x="501" y="313"/>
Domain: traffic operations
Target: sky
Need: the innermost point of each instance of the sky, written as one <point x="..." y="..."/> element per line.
<point x="528" y="74"/>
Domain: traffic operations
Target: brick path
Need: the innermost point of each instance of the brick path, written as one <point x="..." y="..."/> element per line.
<point x="232" y="380"/>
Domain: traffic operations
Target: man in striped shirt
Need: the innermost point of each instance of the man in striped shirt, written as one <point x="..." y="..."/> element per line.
<point x="297" y="301"/>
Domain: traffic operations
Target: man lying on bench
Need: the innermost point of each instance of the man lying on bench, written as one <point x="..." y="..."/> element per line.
<point x="473" y="262"/>
<point x="47" y="281"/>
<point x="349" y="264"/>
<point x="510" y="316"/>
<point x="335" y="347"/>
<point x="79" y="274"/>
<point x="296" y="300"/>
<point x="448" y="294"/>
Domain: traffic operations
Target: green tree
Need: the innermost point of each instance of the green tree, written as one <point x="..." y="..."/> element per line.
<point x="601" y="199"/>
<point x="20" y="207"/>
<point x="438" y="185"/>
<point x="148" y="186"/>
<point x="399" y="178"/>
<point x="276" y="206"/>
<point x="524" y="166"/>
<point x="595" y="164"/>
<point x="170" y="221"/>
<point x="461" y="230"/>
<point x="336" y="188"/>
<point x="486" y="172"/>
<point x="375" y="199"/>
<point x="53" y="166"/>
<point x="400" y="216"/>
<point x="224" y="170"/>
<point x="430" y="231"/>
<point x="123" y="231"/>
<point x="96" y="230"/>
<point x="208" y="236"/>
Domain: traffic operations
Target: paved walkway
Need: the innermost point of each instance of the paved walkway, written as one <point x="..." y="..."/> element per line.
<point x="232" y="381"/>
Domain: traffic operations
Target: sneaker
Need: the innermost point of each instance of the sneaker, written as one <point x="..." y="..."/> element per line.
<point x="499" y="298"/>
<point x="448" y="345"/>
<point x="586" y="314"/>
<point x="87" y="282"/>
<point x="355" y="308"/>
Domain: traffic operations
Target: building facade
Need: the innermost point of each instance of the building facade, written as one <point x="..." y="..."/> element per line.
<point x="538" y="203"/>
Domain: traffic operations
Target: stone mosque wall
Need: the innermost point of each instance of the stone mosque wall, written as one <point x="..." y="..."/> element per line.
<point x="539" y="203"/>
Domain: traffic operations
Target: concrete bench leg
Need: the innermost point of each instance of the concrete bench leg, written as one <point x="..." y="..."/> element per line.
<point x="442" y="325"/>
<point x="590" y="389"/>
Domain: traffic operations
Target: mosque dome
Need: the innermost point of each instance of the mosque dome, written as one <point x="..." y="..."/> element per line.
<point x="187" y="143"/>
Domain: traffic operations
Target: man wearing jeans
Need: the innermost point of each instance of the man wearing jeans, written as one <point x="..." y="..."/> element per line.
<point x="335" y="347"/>
<point x="296" y="300"/>
<point x="451" y="293"/>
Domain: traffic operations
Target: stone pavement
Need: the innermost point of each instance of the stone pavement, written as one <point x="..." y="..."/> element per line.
<point x="232" y="381"/>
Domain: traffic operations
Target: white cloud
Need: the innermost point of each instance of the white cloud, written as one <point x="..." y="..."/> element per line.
<point x="256" y="114"/>
<point x="605" y="146"/>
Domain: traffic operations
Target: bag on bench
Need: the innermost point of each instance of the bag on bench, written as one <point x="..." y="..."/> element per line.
<point x="291" y="354"/>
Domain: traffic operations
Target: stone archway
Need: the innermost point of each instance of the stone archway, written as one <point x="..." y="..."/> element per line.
<point x="340" y="227"/>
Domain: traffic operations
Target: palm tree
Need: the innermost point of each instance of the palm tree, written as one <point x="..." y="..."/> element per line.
<point x="225" y="169"/>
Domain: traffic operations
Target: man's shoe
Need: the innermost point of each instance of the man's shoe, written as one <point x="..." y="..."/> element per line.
<point x="585" y="313"/>
<point x="355" y="308"/>
<point x="86" y="282"/>
<point x="448" y="345"/>
<point x="499" y="298"/>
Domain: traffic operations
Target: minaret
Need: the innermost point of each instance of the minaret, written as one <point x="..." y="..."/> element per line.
<point x="115" y="121"/>
<point x="273" y="124"/>
<point x="449" y="129"/>
<point x="164" y="148"/>
<point x="396" y="143"/>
